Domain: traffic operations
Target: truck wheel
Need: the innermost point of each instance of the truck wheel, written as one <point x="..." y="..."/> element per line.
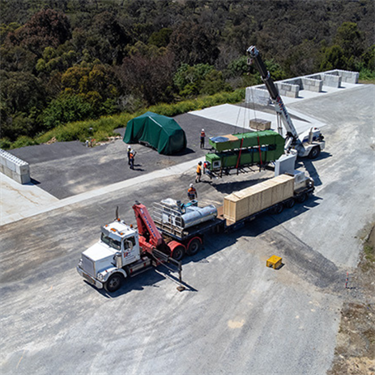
<point x="113" y="283"/>
<point x="290" y="203"/>
<point x="278" y="209"/>
<point x="178" y="253"/>
<point x="302" y="198"/>
<point x="314" y="153"/>
<point x="194" y="246"/>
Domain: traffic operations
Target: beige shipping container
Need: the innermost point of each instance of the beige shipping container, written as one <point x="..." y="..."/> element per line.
<point x="258" y="197"/>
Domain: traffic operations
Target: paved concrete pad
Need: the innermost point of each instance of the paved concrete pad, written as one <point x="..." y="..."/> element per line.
<point x="21" y="201"/>
<point x="70" y="168"/>
<point x="16" y="199"/>
<point x="236" y="316"/>
<point x="240" y="117"/>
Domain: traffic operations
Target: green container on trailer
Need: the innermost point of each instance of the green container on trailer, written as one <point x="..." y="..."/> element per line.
<point x="271" y="148"/>
<point x="250" y="139"/>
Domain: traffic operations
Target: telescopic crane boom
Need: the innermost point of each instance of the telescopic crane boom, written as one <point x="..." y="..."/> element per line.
<point x="309" y="143"/>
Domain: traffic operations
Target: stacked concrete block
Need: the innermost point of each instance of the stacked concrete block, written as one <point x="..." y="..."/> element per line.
<point x="14" y="167"/>
<point x="290" y="89"/>
<point x="348" y="77"/>
<point x="332" y="79"/>
<point x="312" y="83"/>
<point x="344" y="75"/>
<point x="258" y="95"/>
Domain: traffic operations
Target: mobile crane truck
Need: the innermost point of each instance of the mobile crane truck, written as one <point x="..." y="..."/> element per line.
<point x="307" y="144"/>
<point x="177" y="229"/>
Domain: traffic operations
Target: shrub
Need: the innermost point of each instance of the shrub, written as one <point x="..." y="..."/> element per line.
<point x="5" y="144"/>
<point x="24" y="141"/>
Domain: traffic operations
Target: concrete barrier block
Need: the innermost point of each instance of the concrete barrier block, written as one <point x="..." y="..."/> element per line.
<point x="289" y="88"/>
<point x="312" y="84"/>
<point x="290" y="94"/>
<point x="25" y="178"/>
<point x="10" y="165"/>
<point x="257" y="95"/>
<point x="14" y="167"/>
<point x="8" y="172"/>
<point x="16" y="177"/>
<point x="23" y="169"/>
<point x="1" y="168"/>
<point x="331" y="80"/>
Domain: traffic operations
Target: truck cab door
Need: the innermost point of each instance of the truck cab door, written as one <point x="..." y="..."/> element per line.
<point x="131" y="250"/>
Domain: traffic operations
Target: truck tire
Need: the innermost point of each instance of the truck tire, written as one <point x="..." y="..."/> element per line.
<point x="278" y="209"/>
<point x="113" y="283"/>
<point x="302" y="198"/>
<point x="290" y="203"/>
<point x="194" y="246"/>
<point x="178" y="253"/>
<point x="314" y="153"/>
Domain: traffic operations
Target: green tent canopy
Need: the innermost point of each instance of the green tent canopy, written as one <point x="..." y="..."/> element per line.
<point x="160" y="132"/>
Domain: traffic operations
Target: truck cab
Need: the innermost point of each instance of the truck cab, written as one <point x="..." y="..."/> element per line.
<point x="117" y="248"/>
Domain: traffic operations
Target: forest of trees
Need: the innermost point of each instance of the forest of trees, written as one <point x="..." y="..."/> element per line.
<point x="70" y="60"/>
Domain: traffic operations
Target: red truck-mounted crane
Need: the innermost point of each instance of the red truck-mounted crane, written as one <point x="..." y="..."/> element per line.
<point x="176" y="229"/>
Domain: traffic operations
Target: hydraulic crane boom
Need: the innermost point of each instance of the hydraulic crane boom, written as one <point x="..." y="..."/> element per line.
<point x="146" y="226"/>
<point x="304" y="146"/>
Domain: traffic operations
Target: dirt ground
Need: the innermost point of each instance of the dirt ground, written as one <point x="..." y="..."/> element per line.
<point x="355" y="349"/>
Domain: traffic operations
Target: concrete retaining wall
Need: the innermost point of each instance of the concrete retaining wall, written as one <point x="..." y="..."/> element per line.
<point x="312" y="83"/>
<point x="332" y="80"/>
<point x="14" y="167"/>
<point x="258" y="95"/>
<point x="287" y="88"/>
<point x="292" y="87"/>
<point x="346" y="75"/>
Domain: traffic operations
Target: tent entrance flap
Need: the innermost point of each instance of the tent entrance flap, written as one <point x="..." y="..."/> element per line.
<point x="160" y="132"/>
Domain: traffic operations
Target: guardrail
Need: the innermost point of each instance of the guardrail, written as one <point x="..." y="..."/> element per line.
<point x="14" y="167"/>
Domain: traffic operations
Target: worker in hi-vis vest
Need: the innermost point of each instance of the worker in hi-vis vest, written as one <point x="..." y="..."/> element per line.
<point x="199" y="172"/>
<point x="192" y="193"/>
<point x="203" y="135"/>
<point x="131" y="158"/>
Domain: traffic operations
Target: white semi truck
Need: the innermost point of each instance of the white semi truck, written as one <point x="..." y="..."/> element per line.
<point x="176" y="230"/>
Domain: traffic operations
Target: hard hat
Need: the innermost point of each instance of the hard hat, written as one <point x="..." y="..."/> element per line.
<point x="202" y="130"/>
<point x="191" y="185"/>
<point x="129" y="147"/>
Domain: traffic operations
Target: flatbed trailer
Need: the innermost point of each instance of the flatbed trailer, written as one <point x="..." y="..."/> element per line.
<point x="189" y="236"/>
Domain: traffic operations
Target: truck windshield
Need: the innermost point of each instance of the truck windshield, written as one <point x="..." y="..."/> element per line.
<point x="111" y="242"/>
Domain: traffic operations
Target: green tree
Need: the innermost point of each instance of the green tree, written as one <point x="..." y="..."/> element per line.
<point x="333" y="58"/>
<point x="21" y="91"/>
<point x="147" y="77"/>
<point x="67" y="108"/>
<point x="94" y="83"/>
<point x="46" y="28"/>
<point x="56" y="60"/>
<point x="368" y="58"/>
<point x="194" y="44"/>
<point x="199" y="79"/>
<point x="161" y="38"/>
<point x="350" y="39"/>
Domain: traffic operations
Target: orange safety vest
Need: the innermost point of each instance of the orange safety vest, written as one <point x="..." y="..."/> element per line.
<point x="192" y="190"/>
<point x="199" y="169"/>
<point x="131" y="156"/>
<point x="203" y="134"/>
